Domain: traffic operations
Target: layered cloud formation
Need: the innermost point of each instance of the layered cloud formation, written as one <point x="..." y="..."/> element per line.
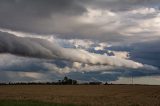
<point x="85" y="39"/>
<point x="40" y="48"/>
<point x="53" y="57"/>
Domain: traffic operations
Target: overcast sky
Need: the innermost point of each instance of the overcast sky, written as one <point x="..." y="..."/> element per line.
<point x="88" y="40"/>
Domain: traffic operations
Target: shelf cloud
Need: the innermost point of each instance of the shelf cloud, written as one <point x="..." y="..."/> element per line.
<point x="93" y="39"/>
<point x="41" y="48"/>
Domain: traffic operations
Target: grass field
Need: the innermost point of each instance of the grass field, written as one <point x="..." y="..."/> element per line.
<point x="29" y="103"/>
<point x="87" y="95"/>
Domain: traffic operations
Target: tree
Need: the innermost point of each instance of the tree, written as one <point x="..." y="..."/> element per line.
<point x="67" y="81"/>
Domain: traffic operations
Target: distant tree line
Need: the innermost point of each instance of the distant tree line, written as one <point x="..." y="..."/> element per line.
<point x="64" y="81"/>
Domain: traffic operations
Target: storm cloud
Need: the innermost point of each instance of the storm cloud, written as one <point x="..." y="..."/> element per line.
<point x="40" y="48"/>
<point x="85" y="39"/>
<point x="102" y="20"/>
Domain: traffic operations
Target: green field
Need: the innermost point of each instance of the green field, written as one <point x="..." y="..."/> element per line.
<point x="29" y="103"/>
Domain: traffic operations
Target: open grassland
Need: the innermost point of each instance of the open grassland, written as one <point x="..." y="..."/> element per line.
<point x="94" y="95"/>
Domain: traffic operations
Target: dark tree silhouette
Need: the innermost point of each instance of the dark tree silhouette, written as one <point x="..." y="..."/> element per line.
<point x="67" y="81"/>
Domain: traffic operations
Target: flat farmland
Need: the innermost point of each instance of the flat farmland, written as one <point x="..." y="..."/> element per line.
<point x="90" y="95"/>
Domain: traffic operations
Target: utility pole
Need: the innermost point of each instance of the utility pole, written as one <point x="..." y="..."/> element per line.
<point x="132" y="79"/>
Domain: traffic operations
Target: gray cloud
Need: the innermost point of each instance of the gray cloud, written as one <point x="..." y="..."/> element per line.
<point x="146" y="52"/>
<point x="31" y="69"/>
<point x="120" y="5"/>
<point x="40" y="48"/>
<point x="31" y="15"/>
<point x="40" y="8"/>
<point x="10" y="76"/>
<point x="104" y="20"/>
<point x="118" y="22"/>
